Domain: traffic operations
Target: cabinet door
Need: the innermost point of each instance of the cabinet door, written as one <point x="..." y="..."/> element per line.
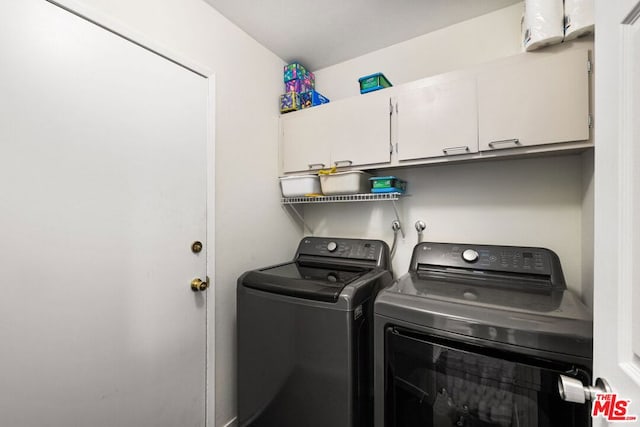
<point x="306" y="144"/>
<point x="359" y="129"/>
<point x="541" y="102"/>
<point x="438" y="120"/>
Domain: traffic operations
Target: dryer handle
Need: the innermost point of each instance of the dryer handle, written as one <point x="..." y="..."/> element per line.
<point x="572" y="390"/>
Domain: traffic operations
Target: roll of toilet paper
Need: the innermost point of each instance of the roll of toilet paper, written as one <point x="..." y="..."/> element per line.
<point x="543" y="23"/>
<point x="578" y="18"/>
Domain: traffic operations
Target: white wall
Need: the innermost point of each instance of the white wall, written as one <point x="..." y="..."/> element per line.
<point x="588" y="212"/>
<point x="248" y="82"/>
<point x="534" y="202"/>
<point x="471" y="42"/>
<point x="537" y="202"/>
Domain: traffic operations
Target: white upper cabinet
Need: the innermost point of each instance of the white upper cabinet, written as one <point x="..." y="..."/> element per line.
<point x="438" y="120"/>
<point x="539" y="101"/>
<point x="305" y="140"/>
<point x="352" y="132"/>
<point x="531" y="103"/>
<point x="359" y="130"/>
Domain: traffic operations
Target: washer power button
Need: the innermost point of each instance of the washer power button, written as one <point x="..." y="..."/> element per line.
<point x="470" y="255"/>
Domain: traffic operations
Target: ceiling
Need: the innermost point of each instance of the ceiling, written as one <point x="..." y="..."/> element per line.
<point x="320" y="33"/>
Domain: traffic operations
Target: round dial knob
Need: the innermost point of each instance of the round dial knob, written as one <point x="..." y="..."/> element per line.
<point x="470" y="255"/>
<point x="332" y="246"/>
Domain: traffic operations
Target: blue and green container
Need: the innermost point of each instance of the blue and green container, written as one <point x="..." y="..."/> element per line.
<point x="311" y="99"/>
<point x="373" y="82"/>
<point x="387" y="184"/>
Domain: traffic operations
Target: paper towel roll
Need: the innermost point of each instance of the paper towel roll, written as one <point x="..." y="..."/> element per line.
<point x="578" y="18"/>
<point x="544" y="23"/>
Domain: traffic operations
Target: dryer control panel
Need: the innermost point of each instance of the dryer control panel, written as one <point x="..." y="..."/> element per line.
<point x="514" y="260"/>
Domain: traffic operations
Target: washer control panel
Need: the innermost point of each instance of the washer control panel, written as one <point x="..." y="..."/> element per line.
<point x="357" y="249"/>
<point x="512" y="259"/>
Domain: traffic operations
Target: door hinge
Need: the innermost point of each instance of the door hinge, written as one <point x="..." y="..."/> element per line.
<point x="589" y="66"/>
<point x="390" y="107"/>
<point x="391" y="148"/>
<point x="590" y="121"/>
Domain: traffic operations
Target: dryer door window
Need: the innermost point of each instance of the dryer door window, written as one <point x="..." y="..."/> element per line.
<point x="432" y="382"/>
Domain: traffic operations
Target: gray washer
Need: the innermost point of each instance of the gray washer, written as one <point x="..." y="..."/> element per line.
<point x="305" y="336"/>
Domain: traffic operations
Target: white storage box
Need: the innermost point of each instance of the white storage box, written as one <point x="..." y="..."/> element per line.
<point x="352" y="182"/>
<point x="299" y="185"/>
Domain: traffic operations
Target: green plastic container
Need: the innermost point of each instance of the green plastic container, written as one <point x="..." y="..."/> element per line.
<point x="387" y="184"/>
<point x="373" y="82"/>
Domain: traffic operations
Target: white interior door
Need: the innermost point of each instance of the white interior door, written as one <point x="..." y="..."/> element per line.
<point x="617" y="196"/>
<point x="102" y="192"/>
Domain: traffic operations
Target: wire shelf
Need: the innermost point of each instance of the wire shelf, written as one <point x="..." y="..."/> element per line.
<point x="368" y="197"/>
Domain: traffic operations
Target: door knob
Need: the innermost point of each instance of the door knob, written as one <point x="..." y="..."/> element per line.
<point x="198" y="285"/>
<point x="572" y="390"/>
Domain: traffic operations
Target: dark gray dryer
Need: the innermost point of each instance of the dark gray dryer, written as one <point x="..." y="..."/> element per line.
<point x="305" y="351"/>
<point x="478" y="335"/>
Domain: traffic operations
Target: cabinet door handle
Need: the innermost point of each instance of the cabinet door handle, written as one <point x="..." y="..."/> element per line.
<point x="451" y="150"/>
<point x="494" y="144"/>
<point x="348" y="162"/>
<point x="317" y="165"/>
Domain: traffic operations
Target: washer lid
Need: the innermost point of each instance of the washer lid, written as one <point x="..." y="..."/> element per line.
<point x="303" y="281"/>
<point x="536" y="317"/>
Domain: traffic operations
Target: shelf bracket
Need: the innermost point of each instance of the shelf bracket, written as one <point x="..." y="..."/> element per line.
<point x="293" y="209"/>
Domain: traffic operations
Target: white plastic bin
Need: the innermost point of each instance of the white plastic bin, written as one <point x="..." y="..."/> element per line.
<point x="352" y="182"/>
<point x="299" y="185"/>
